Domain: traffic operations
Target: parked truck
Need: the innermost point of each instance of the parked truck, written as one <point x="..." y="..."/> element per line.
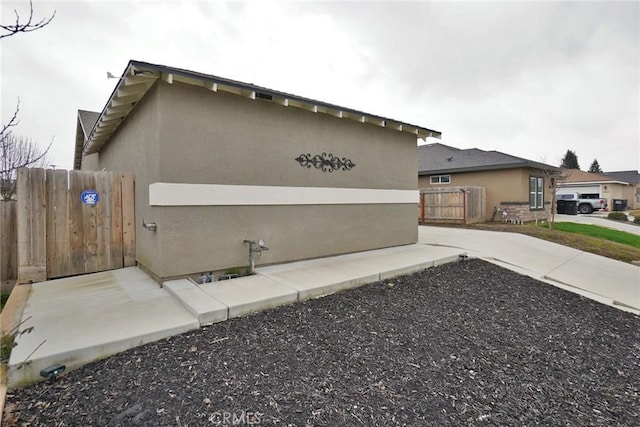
<point x="585" y="205"/>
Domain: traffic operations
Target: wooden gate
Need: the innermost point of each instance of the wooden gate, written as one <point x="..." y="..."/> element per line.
<point x="463" y="205"/>
<point x="62" y="233"/>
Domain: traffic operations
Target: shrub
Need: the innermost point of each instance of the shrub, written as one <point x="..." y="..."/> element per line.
<point x="636" y="219"/>
<point x="618" y="216"/>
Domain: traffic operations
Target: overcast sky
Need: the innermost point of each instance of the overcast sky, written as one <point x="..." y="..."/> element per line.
<point x="530" y="79"/>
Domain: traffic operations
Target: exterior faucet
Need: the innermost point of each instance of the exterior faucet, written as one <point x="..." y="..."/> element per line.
<point x="253" y="247"/>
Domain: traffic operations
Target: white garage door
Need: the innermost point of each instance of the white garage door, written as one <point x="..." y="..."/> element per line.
<point x="578" y="189"/>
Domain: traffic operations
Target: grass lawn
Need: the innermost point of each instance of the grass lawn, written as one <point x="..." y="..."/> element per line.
<point x="600" y="232"/>
<point x="593" y="239"/>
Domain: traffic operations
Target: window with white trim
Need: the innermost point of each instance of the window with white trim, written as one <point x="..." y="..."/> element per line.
<point x="536" y="192"/>
<point x="441" y="179"/>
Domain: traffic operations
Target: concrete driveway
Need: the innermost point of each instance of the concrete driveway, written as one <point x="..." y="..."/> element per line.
<point x="603" y="279"/>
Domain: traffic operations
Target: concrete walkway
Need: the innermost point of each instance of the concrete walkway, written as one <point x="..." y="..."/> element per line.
<point x="81" y="319"/>
<point x="603" y="279"/>
<point x="77" y="320"/>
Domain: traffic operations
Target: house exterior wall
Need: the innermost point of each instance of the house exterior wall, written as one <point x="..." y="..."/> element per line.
<point x="632" y="195"/>
<point x="608" y="191"/>
<point x="90" y="162"/>
<point x="613" y="191"/>
<point x="134" y="147"/>
<point x="507" y="191"/>
<point x="188" y="135"/>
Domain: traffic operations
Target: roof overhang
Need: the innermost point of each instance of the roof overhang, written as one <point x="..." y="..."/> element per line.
<point x="576" y="183"/>
<point x="530" y="165"/>
<point x="139" y="77"/>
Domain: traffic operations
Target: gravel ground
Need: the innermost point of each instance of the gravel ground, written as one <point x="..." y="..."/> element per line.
<point x="462" y="344"/>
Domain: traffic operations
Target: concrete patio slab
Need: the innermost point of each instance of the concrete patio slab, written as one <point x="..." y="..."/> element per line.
<point x="317" y="278"/>
<point x="80" y="319"/>
<point x="250" y="294"/>
<point x="206" y="308"/>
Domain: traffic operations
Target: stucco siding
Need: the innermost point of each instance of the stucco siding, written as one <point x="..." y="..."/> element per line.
<point x="184" y="134"/>
<point x="503" y="186"/>
<point x="220" y="138"/>
<point x="90" y="162"/>
<point x="134" y="147"/>
<point x="196" y="238"/>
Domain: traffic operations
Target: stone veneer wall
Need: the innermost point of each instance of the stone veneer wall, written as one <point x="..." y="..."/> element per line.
<point x="516" y="212"/>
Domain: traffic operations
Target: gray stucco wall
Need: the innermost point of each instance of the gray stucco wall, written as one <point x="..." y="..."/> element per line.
<point x="134" y="147"/>
<point x="185" y="134"/>
<point x="90" y="162"/>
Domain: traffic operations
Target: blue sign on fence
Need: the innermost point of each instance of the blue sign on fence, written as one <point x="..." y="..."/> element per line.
<point x="90" y="197"/>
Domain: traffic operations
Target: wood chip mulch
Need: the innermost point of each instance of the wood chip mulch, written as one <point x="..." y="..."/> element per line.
<point x="467" y="343"/>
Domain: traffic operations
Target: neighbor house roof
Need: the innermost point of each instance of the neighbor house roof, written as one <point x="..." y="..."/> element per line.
<point x="573" y="176"/>
<point x="138" y="77"/>
<point x="86" y="122"/>
<point x="440" y="158"/>
<point x="632" y="177"/>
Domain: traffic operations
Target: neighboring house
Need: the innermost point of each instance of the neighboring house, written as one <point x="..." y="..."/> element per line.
<point x="632" y="192"/>
<point x="218" y="162"/>
<point x="85" y="123"/>
<point x="515" y="188"/>
<point x="594" y="185"/>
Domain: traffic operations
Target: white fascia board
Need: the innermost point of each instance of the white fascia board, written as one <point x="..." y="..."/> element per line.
<point x="176" y="194"/>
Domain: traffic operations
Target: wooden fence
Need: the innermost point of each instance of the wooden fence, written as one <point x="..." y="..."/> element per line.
<point x="8" y="241"/>
<point x="462" y="205"/>
<point x="61" y="234"/>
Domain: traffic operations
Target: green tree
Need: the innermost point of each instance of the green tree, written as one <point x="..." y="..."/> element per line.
<point x="595" y="167"/>
<point x="570" y="161"/>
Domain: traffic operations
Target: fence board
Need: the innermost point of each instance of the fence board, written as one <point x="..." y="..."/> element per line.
<point x="23" y="186"/>
<point x="103" y="221"/>
<point x="452" y="205"/>
<point x="32" y="250"/>
<point x="62" y="256"/>
<point x="8" y="241"/>
<point x="58" y="235"/>
<point x="117" y="253"/>
<point x="76" y="224"/>
<point x="128" y="220"/>
<point x="89" y="222"/>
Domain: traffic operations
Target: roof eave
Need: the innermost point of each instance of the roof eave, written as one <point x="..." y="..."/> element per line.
<point x="563" y="183"/>
<point x="139" y="77"/>
<point x="489" y="167"/>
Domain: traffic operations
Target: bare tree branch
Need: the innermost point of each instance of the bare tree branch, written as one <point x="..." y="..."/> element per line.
<point x="25" y="27"/>
<point x="15" y="153"/>
<point x="554" y="177"/>
<point x="6" y="128"/>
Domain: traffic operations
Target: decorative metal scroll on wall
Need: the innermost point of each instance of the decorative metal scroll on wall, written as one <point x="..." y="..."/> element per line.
<point x="325" y="161"/>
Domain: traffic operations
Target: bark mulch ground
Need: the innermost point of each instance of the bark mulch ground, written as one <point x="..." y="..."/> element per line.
<point x="462" y="344"/>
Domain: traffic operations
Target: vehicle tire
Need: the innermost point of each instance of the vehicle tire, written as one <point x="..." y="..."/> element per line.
<point x="585" y="209"/>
